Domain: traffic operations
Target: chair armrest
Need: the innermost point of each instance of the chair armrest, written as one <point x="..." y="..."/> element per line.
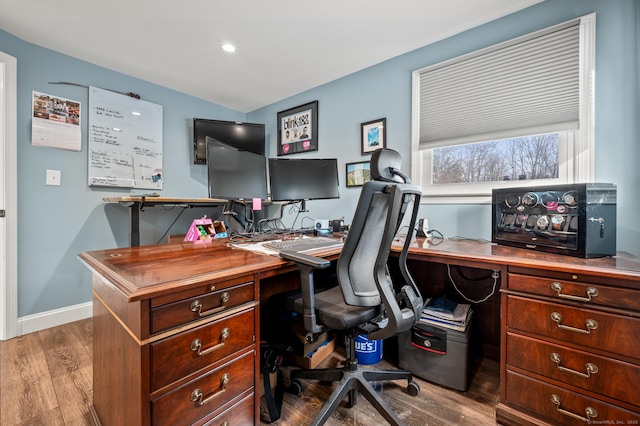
<point x="307" y="264"/>
<point x="305" y="259"/>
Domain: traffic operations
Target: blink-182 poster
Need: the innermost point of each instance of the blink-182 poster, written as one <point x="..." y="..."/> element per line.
<point x="298" y="129"/>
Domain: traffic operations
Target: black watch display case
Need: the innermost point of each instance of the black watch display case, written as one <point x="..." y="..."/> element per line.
<point x="574" y="219"/>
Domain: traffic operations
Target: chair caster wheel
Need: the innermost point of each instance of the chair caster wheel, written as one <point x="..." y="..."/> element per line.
<point x="295" y="388"/>
<point x="413" y="389"/>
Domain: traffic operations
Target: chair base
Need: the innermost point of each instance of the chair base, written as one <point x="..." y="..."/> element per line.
<point x="351" y="381"/>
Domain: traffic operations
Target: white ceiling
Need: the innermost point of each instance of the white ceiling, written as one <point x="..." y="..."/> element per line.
<point x="283" y="46"/>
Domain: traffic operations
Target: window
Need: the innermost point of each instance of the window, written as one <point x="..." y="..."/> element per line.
<point x="531" y="157"/>
<point x="514" y="114"/>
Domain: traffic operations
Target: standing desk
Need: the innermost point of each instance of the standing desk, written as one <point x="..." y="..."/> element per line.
<point x="138" y="203"/>
<point x="175" y="330"/>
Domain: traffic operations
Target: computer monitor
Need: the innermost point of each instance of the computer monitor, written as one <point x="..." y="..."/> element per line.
<point x="303" y="179"/>
<point x="235" y="174"/>
<point x="244" y="136"/>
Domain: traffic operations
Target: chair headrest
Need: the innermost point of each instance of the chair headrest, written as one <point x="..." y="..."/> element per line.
<point x="385" y="166"/>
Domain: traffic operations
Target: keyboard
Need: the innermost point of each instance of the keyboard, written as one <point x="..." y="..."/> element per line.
<point x="304" y="245"/>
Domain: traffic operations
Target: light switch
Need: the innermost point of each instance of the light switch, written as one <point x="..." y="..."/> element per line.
<point x="53" y="177"/>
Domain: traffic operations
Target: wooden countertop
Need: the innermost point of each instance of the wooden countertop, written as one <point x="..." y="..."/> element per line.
<point x="622" y="266"/>
<point x="149" y="271"/>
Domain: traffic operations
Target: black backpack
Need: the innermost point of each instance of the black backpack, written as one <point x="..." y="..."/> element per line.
<point x="272" y="356"/>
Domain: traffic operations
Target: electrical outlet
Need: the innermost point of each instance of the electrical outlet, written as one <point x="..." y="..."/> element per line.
<point x="53" y="177"/>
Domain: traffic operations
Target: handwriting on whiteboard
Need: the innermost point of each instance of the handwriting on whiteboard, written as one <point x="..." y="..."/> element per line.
<point x="125" y="141"/>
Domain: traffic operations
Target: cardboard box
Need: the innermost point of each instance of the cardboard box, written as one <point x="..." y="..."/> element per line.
<point x="302" y="346"/>
<point x="176" y="238"/>
<point x="313" y="359"/>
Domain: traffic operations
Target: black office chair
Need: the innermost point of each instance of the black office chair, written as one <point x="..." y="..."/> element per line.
<point x="366" y="301"/>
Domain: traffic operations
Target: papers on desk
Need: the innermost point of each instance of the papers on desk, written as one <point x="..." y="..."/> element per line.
<point x="304" y="245"/>
<point x="445" y="313"/>
<point x="255" y="247"/>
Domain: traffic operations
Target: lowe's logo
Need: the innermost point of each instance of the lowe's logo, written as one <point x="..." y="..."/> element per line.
<point x="366" y="347"/>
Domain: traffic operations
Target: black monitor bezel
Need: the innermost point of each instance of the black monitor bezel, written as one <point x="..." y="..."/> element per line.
<point x="309" y="162"/>
<point x="215" y="129"/>
<point x="248" y="156"/>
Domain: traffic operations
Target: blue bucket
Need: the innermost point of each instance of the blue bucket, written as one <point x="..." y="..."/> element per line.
<point x="368" y="352"/>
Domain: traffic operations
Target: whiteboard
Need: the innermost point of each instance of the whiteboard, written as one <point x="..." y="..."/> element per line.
<point x="125" y="141"/>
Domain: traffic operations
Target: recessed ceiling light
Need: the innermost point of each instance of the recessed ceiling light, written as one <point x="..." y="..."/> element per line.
<point x="228" y="47"/>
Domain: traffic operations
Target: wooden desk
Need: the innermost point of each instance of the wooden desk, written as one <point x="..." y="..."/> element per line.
<point x="569" y="332"/>
<point x="137" y="204"/>
<point x="175" y="332"/>
<point x="152" y="303"/>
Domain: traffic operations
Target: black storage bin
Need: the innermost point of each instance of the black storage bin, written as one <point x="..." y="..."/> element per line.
<point x="438" y="355"/>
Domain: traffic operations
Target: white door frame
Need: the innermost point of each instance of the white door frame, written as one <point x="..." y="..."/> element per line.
<point x="8" y="198"/>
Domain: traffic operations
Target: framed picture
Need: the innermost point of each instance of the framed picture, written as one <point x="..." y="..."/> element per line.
<point x="374" y="135"/>
<point x="358" y="173"/>
<point x="298" y="129"/>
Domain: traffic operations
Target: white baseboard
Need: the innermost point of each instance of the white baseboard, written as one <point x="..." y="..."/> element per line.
<point x="44" y="320"/>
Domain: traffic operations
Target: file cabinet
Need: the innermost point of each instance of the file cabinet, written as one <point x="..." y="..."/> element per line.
<point x="190" y="360"/>
<point x="571" y="348"/>
<point x="175" y="334"/>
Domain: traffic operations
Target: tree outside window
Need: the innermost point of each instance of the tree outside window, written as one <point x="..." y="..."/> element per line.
<point x="524" y="158"/>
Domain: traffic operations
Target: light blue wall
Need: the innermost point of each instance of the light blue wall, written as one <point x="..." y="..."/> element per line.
<point x="385" y="91"/>
<point x="57" y="223"/>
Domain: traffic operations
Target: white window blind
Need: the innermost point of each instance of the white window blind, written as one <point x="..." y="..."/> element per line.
<point x="526" y="86"/>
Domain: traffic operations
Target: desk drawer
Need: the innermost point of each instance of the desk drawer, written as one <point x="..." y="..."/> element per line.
<point x="204" y="395"/>
<point x="590" y="294"/>
<point x="605" y="376"/>
<point x="177" y="313"/>
<point x="238" y="414"/>
<point x="590" y="328"/>
<point x="562" y="406"/>
<point x="180" y="355"/>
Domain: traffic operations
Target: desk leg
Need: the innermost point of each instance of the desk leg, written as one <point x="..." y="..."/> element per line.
<point x="135" y="224"/>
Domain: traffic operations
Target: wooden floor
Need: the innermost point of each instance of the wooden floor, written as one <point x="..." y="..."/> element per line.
<point x="434" y="406"/>
<point x="46" y="379"/>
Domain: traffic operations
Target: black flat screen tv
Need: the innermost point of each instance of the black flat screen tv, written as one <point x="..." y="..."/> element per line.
<point x="245" y="136"/>
<point x="235" y="174"/>
<point x="303" y="179"/>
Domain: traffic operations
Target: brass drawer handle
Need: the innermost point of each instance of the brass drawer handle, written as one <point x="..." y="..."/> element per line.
<point x="196" y="306"/>
<point x="591" y="368"/>
<point x="196" y="345"/>
<point x="197" y="395"/>
<point x="589" y="324"/>
<point x="589" y="411"/>
<point x="591" y="292"/>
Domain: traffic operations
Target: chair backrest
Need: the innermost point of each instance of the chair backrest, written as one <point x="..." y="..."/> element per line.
<point x="362" y="267"/>
<point x="386" y="166"/>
